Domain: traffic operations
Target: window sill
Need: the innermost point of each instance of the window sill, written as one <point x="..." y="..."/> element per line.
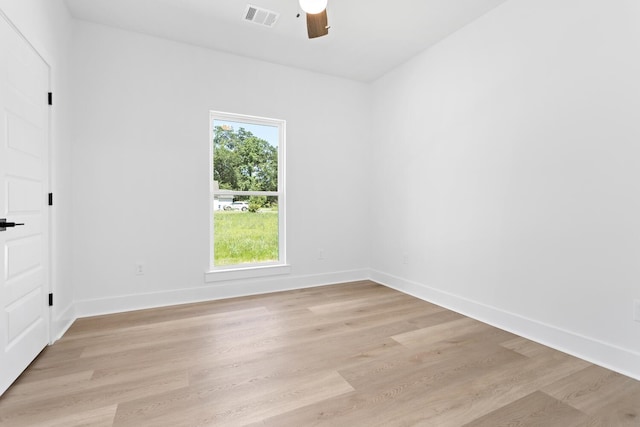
<point x="246" y="273"/>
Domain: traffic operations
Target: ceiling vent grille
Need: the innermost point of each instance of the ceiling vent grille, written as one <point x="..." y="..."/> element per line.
<point x="260" y="16"/>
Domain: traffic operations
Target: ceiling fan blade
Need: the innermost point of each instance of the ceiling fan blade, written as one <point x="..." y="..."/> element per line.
<point x="317" y="24"/>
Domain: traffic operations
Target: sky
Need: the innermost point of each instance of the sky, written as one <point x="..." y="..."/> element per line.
<point x="268" y="133"/>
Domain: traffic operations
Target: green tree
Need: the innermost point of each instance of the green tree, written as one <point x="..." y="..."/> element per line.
<point x="244" y="162"/>
<point x="256" y="202"/>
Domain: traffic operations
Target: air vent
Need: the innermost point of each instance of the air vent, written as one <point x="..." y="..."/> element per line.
<point x="260" y="16"/>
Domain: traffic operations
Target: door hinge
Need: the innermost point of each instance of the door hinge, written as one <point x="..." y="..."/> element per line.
<point x="50" y="98"/>
<point x="50" y="300"/>
<point x="50" y="199"/>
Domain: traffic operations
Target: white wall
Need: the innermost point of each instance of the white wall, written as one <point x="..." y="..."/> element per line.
<point x="141" y="168"/>
<point x="513" y="150"/>
<point x="47" y="26"/>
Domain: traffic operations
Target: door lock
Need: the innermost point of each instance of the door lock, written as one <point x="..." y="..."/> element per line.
<point x="4" y="224"/>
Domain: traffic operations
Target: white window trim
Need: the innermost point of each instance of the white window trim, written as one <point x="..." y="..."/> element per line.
<point x="237" y="273"/>
<point x="247" y="271"/>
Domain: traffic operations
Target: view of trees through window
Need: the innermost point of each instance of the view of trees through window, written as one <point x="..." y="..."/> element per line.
<point x="245" y="197"/>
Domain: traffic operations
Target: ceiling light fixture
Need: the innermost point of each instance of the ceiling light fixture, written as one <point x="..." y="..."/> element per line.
<point x="313" y="6"/>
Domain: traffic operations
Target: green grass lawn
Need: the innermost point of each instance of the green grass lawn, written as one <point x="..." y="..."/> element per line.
<point x="245" y="237"/>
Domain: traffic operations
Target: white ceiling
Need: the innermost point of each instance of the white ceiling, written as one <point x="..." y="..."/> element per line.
<point x="367" y="37"/>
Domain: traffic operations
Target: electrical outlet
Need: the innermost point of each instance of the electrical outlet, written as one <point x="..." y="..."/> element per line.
<point x="405" y="258"/>
<point x="139" y="269"/>
<point x="320" y="254"/>
<point x="636" y="310"/>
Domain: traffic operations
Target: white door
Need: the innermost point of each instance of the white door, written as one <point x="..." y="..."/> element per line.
<point x="24" y="183"/>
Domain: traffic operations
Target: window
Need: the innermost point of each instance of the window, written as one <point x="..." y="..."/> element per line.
<point x="247" y="192"/>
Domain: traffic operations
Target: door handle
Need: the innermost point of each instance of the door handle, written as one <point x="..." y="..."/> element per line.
<point x="4" y="224"/>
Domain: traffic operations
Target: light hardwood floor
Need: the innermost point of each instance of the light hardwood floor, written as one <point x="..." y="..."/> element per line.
<point x="357" y="354"/>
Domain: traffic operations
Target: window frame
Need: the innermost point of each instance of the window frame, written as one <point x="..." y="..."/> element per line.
<point x="258" y="269"/>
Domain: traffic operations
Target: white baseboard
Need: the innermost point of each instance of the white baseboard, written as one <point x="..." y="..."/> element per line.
<point x="62" y="322"/>
<point x="212" y="291"/>
<point x="610" y="356"/>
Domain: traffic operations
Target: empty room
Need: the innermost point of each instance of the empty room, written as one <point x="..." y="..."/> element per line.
<point x="320" y="212"/>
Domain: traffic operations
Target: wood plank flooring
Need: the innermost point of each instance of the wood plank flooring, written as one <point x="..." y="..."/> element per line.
<point x="356" y="354"/>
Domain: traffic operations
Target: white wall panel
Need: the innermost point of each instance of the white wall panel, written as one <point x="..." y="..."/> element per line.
<point x="141" y="162"/>
<point x="516" y="142"/>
